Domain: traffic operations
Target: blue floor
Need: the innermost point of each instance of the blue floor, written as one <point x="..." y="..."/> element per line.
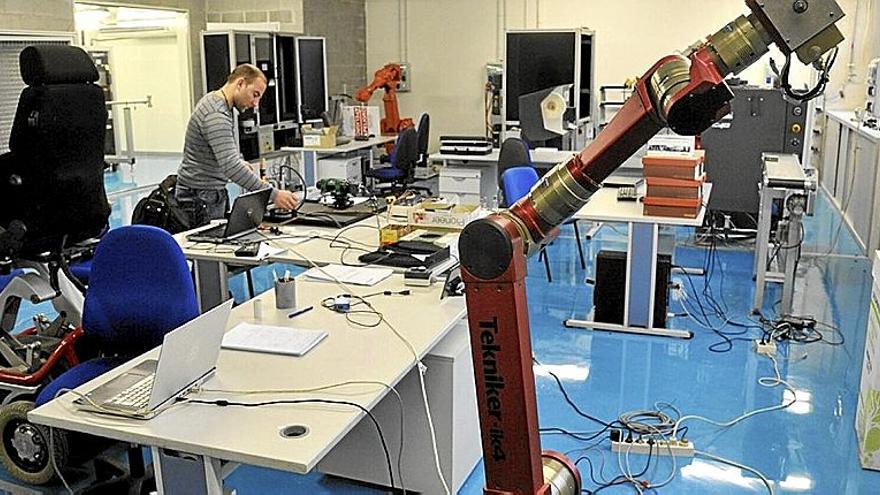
<point x="809" y="448"/>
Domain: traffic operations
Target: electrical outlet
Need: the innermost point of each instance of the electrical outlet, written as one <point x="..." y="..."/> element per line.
<point x="765" y="348"/>
<point x="676" y="448"/>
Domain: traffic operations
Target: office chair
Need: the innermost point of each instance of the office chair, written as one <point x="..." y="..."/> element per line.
<point x="140" y="289"/>
<point x="424" y="130"/>
<point x="518" y="181"/>
<point x="515" y="153"/>
<point x="400" y="175"/>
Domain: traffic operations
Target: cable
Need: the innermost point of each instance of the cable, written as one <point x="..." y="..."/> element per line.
<point x="737" y="465"/>
<point x="226" y="403"/>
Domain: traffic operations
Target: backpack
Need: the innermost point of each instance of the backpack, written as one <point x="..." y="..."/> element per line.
<point x="162" y="209"/>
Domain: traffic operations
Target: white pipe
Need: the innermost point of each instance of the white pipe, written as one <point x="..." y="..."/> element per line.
<point x="400" y="40"/>
<point x="406" y="30"/>
<point x="525" y="13"/>
<point x="498" y="22"/>
<point x="537" y="14"/>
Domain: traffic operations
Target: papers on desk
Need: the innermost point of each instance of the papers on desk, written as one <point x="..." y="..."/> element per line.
<point x="266" y="250"/>
<point x="355" y="275"/>
<point x="273" y="340"/>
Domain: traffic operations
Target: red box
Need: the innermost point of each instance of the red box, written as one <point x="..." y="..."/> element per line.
<point x="674" y="166"/>
<point x="671" y="207"/>
<point x="663" y="187"/>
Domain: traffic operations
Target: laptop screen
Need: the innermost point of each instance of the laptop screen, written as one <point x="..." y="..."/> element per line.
<point x="189" y="353"/>
<point x="247" y="212"/>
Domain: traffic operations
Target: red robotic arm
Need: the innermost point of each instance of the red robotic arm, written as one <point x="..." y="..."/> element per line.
<point x="387" y="78"/>
<point x="685" y="92"/>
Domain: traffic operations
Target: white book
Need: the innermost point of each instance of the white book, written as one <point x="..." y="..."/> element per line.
<point x="355" y="275"/>
<point x="273" y="340"/>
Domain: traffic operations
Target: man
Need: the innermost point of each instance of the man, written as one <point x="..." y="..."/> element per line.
<point x="210" y="153"/>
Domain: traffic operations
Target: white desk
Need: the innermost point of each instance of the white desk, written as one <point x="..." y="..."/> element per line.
<point x="309" y="156"/>
<point x="641" y="261"/>
<point x="211" y="262"/>
<point x="251" y="435"/>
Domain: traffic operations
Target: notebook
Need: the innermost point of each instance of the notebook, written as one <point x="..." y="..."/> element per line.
<point x="273" y="340"/>
<point x="355" y="275"/>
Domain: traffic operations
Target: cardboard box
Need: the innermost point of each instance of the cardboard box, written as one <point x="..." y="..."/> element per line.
<point x="671" y="207"/>
<point x="663" y="187"/>
<point x="451" y="218"/>
<point x="324" y="137"/>
<point x="868" y="407"/>
<point x="687" y="167"/>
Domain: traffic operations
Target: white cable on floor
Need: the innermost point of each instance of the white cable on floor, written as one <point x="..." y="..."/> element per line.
<point x="419" y="365"/>
<point x="738" y="465"/>
<point x="763" y="381"/>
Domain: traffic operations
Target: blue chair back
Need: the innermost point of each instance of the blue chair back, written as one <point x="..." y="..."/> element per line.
<point x="517" y="182"/>
<point x="140" y="288"/>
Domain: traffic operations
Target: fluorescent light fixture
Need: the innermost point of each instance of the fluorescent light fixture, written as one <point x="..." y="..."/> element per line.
<point x="712" y="473"/>
<point x="803" y="404"/>
<point x="565" y="372"/>
<point x="797" y="483"/>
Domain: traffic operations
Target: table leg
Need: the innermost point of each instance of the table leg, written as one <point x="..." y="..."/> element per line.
<point x="212" y="283"/>
<point x="178" y="472"/>
<point x="310" y="162"/>
<point x="640" y="284"/>
<point x="762" y="243"/>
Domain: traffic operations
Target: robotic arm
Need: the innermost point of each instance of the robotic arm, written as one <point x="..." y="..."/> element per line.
<point x="688" y="94"/>
<point x="387" y="78"/>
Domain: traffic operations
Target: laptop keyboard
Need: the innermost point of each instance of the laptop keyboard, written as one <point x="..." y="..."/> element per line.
<point x="136" y="396"/>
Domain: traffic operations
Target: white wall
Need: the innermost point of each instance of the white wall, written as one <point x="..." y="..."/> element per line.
<point x="450" y="41"/>
<point x="152" y="63"/>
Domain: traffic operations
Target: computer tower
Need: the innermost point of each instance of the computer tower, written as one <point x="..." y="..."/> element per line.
<point x="609" y="293"/>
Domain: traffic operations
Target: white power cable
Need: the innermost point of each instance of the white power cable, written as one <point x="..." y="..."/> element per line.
<point x="418" y="363"/>
<point x="763" y="381"/>
<point x="738" y="465"/>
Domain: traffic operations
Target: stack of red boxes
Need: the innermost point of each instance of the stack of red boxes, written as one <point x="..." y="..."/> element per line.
<point x="675" y="184"/>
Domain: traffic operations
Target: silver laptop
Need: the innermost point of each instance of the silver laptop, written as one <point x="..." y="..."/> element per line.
<point x="188" y="355"/>
<point x="246" y="215"/>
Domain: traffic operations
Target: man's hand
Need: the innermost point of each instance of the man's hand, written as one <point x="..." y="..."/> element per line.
<point x="286" y="200"/>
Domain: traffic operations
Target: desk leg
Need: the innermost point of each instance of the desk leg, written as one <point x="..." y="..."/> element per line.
<point x="212" y="283"/>
<point x="178" y="472"/>
<point x="641" y="276"/>
<point x="310" y="163"/>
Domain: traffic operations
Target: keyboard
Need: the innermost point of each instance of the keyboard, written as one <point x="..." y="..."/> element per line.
<point x="136" y="396"/>
<point x="627" y="193"/>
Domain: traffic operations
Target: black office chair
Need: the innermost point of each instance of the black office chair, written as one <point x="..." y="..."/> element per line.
<point x="400" y="175"/>
<point x="424" y="131"/>
<point x="52" y="179"/>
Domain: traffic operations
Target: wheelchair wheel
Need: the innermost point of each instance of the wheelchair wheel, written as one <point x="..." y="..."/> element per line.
<point x="24" y="446"/>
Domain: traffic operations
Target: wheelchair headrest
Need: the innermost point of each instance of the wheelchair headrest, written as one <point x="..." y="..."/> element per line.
<point x="56" y="64"/>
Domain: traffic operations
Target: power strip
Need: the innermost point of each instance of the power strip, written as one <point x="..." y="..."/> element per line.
<point x="676" y="448"/>
<point x="765" y="348"/>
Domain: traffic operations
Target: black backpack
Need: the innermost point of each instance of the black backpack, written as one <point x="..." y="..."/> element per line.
<point x="162" y="209"/>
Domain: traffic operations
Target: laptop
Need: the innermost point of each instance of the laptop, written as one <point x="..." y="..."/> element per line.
<point x="188" y="354"/>
<point x="246" y="215"/>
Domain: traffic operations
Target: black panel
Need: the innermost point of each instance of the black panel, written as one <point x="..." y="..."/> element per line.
<point x="266" y="62"/>
<point x="311" y="80"/>
<point x="586" y="76"/>
<point x="762" y="122"/>
<point x="216" y="60"/>
<point x="609" y="291"/>
<point x="242" y="49"/>
<point x="287" y="77"/>
<point x="537" y="61"/>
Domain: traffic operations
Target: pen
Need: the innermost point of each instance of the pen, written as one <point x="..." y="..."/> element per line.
<point x="300" y="311"/>
<point x="287" y="275"/>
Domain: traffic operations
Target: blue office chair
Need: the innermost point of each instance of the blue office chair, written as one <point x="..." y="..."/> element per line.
<point x="518" y="181"/>
<point x="400" y="175"/>
<point x="140" y="289"/>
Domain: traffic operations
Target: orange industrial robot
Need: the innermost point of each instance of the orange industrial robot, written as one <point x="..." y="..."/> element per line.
<point x="387" y="78"/>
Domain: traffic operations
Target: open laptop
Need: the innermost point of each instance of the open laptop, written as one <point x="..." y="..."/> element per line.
<point x="246" y="215"/>
<point x="188" y="354"/>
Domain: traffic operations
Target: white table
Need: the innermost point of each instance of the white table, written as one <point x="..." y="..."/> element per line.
<point x="214" y="435"/>
<point x="641" y="262"/>
<point x="309" y="155"/>
<point x="211" y="262"/>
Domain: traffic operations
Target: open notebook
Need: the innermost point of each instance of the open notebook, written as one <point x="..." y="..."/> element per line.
<point x="273" y="340"/>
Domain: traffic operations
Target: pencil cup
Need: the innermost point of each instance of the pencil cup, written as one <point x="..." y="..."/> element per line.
<point x="285" y="294"/>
